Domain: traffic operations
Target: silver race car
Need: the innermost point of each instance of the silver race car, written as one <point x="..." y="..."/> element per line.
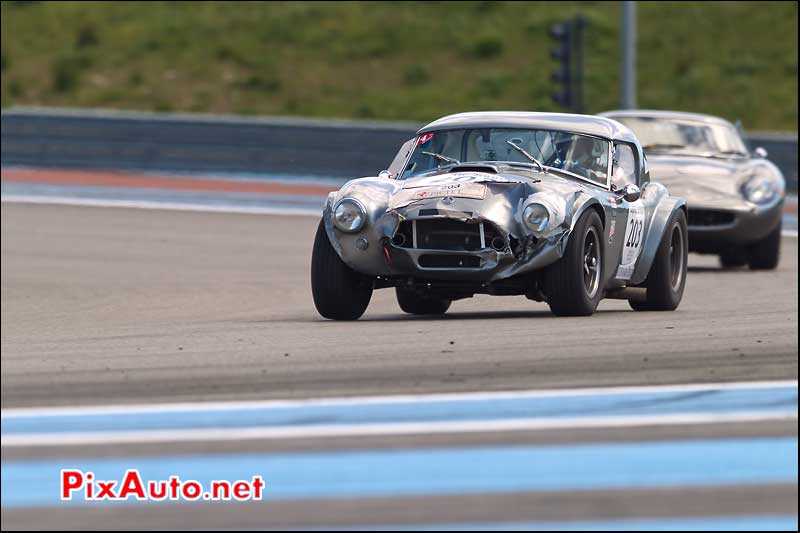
<point x="556" y="207"/>
<point x="735" y="197"/>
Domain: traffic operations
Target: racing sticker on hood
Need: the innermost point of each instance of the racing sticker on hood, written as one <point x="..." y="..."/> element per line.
<point x="634" y="235"/>
<point x="457" y="177"/>
<point x="475" y="191"/>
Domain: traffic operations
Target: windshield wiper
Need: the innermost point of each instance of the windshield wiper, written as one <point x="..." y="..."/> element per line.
<point x="441" y="157"/>
<point x="524" y="152"/>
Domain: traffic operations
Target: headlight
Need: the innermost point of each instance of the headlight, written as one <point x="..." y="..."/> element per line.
<point x="760" y="189"/>
<point x="536" y="217"/>
<point x="349" y="215"/>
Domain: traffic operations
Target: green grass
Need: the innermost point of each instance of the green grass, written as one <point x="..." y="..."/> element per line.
<point x="408" y="61"/>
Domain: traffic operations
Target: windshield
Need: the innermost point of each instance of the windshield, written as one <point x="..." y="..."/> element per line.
<point x="582" y="155"/>
<point x="685" y="137"/>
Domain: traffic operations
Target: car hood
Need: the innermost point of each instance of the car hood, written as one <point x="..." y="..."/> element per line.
<point x="700" y="179"/>
<point x="525" y="183"/>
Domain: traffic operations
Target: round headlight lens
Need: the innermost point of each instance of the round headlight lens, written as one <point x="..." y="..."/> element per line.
<point x="349" y="215"/>
<point x="536" y="217"/>
<point x="760" y="189"/>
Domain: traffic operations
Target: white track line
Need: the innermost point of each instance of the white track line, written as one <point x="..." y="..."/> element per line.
<point x="169" y="206"/>
<point x="362" y="430"/>
<point x="392" y="399"/>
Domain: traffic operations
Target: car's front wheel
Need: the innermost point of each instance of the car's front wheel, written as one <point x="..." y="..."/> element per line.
<point x="573" y="284"/>
<point x="415" y="304"/>
<point x="765" y="254"/>
<point x="339" y="292"/>
<point x="667" y="277"/>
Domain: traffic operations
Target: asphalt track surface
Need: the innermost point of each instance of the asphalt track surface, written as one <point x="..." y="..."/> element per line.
<point x="112" y="306"/>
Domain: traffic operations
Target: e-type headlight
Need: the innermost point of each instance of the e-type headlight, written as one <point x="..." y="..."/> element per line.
<point x="760" y="189"/>
<point x="537" y="217"/>
<point x="349" y="215"/>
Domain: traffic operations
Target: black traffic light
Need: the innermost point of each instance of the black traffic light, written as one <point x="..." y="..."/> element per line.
<point x="562" y="53"/>
<point x="568" y="73"/>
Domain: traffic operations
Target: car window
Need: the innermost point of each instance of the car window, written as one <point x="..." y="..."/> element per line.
<point x="624" y="169"/>
<point x="397" y="163"/>
<point x="687" y="137"/>
<point x="582" y="155"/>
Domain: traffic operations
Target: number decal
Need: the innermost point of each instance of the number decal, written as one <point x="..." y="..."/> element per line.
<point x="634" y="236"/>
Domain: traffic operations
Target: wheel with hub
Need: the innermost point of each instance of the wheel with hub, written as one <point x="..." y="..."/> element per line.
<point x="667" y="277"/>
<point x="339" y="292"/>
<point x="573" y="284"/>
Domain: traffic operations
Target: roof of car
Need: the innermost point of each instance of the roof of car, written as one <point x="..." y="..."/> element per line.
<point x="654" y="113"/>
<point x="583" y="124"/>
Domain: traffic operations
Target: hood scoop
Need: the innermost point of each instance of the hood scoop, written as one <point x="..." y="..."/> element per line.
<point x="490" y="169"/>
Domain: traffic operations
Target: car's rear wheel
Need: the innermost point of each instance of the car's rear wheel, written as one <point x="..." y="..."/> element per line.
<point x="765" y="254"/>
<point x="733" y="258"/>
<point x="339" y="292"/>
<point x="414" y="303"/>
<point x="667" y="277"/>
<point x="573" y="284"/>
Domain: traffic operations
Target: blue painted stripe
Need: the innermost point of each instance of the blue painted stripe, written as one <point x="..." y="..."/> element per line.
<point x="764" y="400"/>
<point x="721" y="523"/>
<point x="409" y="472"/>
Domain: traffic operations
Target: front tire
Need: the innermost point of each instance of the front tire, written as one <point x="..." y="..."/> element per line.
<point x="573" y="284"/>
<point x="340" y="293"/>
<point x="415" y="304"/>
<point x="667" y="277"/>
<point x="765" y="254"/>
<point x="733" y="258"/>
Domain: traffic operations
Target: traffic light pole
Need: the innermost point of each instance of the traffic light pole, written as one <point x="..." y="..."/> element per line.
<point x="628" y="55"/>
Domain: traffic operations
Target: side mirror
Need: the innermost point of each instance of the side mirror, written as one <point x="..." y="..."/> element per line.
<point x="760" y="152"/>
<point x="385" y="174"/>
<point x="631" y="193"/>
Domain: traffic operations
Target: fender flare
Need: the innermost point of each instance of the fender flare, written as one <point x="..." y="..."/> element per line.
<point x="658" y="224"/>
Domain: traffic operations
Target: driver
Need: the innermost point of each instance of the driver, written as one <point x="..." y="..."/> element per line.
<point x="583" y="161"/>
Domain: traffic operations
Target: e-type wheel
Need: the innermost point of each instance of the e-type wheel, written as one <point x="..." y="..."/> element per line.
<point x="765" y="254"/>
<point x="339" y="292"/>
<point x="416" y="304"/>
<point x="733" y="258"/>
<point x="572" y="285"/>
<point x="667" y="277"/>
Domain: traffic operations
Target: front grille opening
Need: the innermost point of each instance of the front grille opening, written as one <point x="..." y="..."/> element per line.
<point x="710" y="217"/>
<point x="448" y="234"/>
<point x="449" y="261"/>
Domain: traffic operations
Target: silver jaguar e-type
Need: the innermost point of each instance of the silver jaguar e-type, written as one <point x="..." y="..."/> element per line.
<point x="735" y="197"/>
<point x="556" y="207"/>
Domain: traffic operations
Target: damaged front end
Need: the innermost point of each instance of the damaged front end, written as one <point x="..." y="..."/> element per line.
<point x="470" y="228"/>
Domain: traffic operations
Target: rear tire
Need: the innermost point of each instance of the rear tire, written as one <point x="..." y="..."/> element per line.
<point x="573" y="284"/>
<point x="340" y="293"/>
<point x="765" y="254"/>
<point x="667" y="277"/>
<point x="414" y="304"/>
<point x="733" y="258"/>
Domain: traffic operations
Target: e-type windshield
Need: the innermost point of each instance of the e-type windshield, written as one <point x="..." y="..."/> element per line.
<point x="582" y="155"/>
<point x="685" y="137"/>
